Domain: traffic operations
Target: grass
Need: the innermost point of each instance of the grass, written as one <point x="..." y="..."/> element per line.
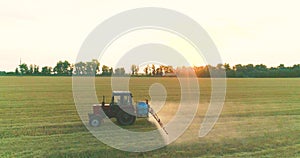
<point x="260" y="118"/>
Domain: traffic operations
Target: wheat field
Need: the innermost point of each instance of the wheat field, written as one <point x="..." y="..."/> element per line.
<point x="260" y="118"/>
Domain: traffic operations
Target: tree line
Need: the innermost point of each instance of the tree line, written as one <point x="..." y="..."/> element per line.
<point x="250" y="71"/>
<point x="92" y="68"/>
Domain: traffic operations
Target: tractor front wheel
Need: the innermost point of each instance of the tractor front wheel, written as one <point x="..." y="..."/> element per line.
<point x="125" y="119"/>
<point x="95" y="121"/>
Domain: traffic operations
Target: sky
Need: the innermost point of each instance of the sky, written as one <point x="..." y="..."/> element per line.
<point x="249" y="31"/>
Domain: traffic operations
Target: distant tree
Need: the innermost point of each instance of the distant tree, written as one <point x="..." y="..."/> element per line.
<point x="134" y="69"/>
<point x="89" y="68"/>
<point x="261" y="71"/>
<point x="17" y="71"/>
<point x="157" y="72"/>
<point x="92" y="68"/>
<point x="62" y="68"/>
<point x="23" y="69"/>
<point x="281" y="66"/>
<point x="229" y="71"/>
<point x="249" y="72"/>
<point x="283" y="71"/>
<point x="161" y="70"/>
<point x="296" y="70"/>
<point x="203" y="71"/>
<point x="86" y="68"/>
<point x="80" y="68"/>
<point x="120" y="71"/>
<point x="260" y="67"/>
<point x="227" y="67"/>
<point x="105" y="70"/>
<point x="66" y="68"/>
<point x="46" y="70"/>
<point x="30" y="72"/>
<point x="220" y="67"/>
<point x="296" y="66"/>
<point x="2" y="73"/>
<point x="153" y="70"/>
<point x="198" y="71"/>
<point x="169" y="69"/>
<point x="71" y="69"/>
<point x="96" y="66"/>
<point x="36" y="69"/>
<point x="10" y="73"/>
<point x="146" y="70"/>
<point x="111" y="71"/>
<point x="58" y="68"/>
<point x="240" y="70"/>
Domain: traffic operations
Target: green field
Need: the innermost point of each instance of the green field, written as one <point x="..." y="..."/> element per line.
<point x="260" y="118"/>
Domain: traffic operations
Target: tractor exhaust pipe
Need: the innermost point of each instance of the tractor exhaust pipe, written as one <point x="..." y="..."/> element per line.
<point x="103" y="100"/>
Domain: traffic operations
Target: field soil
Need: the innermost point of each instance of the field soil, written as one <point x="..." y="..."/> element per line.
<point x="260" y="118"/>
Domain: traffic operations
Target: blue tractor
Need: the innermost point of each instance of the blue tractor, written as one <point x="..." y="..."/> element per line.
<point x="121" y="107"/>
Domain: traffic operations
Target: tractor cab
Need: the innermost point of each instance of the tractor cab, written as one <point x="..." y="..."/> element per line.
<point x="120" y="107"/>
<point x="121" y="98"/>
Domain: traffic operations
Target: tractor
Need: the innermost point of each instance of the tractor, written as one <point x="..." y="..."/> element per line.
<point x="121" y="107"/>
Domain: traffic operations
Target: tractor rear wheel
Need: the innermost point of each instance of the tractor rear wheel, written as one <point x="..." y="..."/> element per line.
<point x="125" y="119"/>
<point x="95" y="121"/>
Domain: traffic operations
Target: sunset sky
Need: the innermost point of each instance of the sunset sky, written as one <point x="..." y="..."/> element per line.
<point x="250" y="31"/>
